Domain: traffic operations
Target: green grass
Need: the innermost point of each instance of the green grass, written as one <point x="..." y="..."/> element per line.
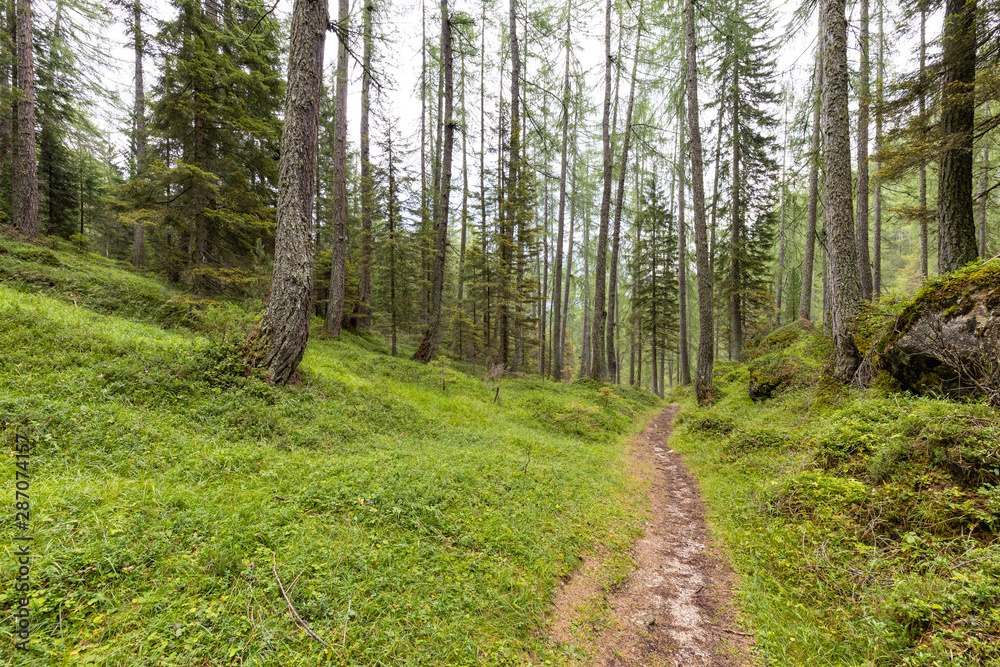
<point x="863" y="524"/>
<point x="166" y="484"/>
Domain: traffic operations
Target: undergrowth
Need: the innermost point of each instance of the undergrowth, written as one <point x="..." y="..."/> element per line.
<point x="410" y="520"/>
<point x="863" y="523"/>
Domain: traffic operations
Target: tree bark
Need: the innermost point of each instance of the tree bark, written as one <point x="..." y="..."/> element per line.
<point x="956" y="226"/>
<point x="557" y="350"/>
<point x="25" y="180"/>
<point x="460" y="334"/>
<point x="984" y="190"/>
<point x="432" y="338"/>
<point x="619" y="204"/>
<point x="809" y="252"/>
<point x="684" y="358"/>
<point x="736" y="236"/>
<point x="784" y="211"/>
<point x="922" y="108"/>
<point x="598" y="364"/>
<point x="283" y="332"/>
<point x="138" y="245"/>
<point x="880" y="98"/>
<point x="837" y="161"/>
<point x="364" y="308"/>
<point x="864" y="118"/>
<point x="338" y="267"/>
<point x="703" y="374"/>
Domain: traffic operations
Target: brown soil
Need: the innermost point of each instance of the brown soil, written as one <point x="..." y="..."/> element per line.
<point x="677" y="606"/>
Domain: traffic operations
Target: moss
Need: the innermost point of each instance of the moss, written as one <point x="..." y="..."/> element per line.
<point x="948" y="293"/>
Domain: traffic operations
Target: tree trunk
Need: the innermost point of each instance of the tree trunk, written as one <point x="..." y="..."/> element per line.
<point x="922" y="107"/>
<point x="598" y="365"/>
<point x="837" y="161"/>
<point x="585" y="344"/>
<point x="864" y="116"/>
<point x="569" y="258"/>
<point x="809" y="252"/>
<point x="684" y="359"/>
<point x="139" y="138"/>
<point x="364" y="308"/>
<point x="877" y="231"/>
<point x="619" y="204"/>
<point x="557" y="350"/>
<point x="465" y="218"/>
<point x="984" y="192"/>
<point x="283" y="332"/>
<point x="956" y="226"/>
<point x="703" y="373"/>
<point x="25" y="180"/>
<point x="784" y="211"/>
<point x="391" y="220"/>
<point x="736" y="237"/>
<point x="338" y="268"/>
<point x="432" y="338"/>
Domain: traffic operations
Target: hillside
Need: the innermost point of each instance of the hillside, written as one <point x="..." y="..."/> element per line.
<point x="863" y="523"/>
<point x="411" y="516"/>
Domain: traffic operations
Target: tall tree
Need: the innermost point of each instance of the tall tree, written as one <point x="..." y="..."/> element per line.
<point x="432" y="338"/>
<point x="281" y="337"/>
<point x="338" y="267"/>
<point x="557" y="347"/>
<point x="809" y="250"/>
<point x="25" y="189"/>
<point x="684" y="354"/>
<point x="956" y="226"/>
<point x="864" y="116"/>
<point x="922" y="102"/>
<point x="837" y="162"/>
<point x="598" y="364"/>
<point x="364" y="309"/>
<point x="613" y="371"/>
<point x="703" y="374"/>
<point x="879" y="102"/>
<point x="139" y="128"/>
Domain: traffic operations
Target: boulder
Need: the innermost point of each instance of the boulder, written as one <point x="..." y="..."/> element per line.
<point x="947" y="339"/>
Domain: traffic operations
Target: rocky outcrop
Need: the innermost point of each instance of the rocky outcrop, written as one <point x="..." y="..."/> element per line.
<point x="947" y="340"/>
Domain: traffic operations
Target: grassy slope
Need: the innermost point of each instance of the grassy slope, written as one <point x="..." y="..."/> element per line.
<point x="863" y="523"/>
<point x="165" y="484"/>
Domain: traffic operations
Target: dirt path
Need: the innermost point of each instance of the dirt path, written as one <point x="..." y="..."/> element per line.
<point x="675" y="609"/>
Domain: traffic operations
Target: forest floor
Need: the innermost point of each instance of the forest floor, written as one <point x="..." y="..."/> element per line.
<point x="676" y="607"/>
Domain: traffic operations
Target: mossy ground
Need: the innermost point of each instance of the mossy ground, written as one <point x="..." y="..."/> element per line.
<point x="166" y="483"/>
<point x="863" y="524"/>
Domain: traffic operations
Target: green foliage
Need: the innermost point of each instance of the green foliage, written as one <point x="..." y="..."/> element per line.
<point x="864" y="524"/>
<point x="166" y="482"/>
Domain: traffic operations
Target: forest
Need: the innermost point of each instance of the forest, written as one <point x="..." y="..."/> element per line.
<point x="647" y="210"/>
<point x="425" y="333"/>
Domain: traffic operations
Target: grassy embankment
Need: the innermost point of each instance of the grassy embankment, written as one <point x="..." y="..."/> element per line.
<point x="863" y="523"/>
<point x="166" y="485"/>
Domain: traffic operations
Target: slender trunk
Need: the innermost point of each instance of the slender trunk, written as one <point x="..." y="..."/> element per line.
<point x="138" y="245"/>
<point x="864" y="116"/>
<point x="956" y="225"/>
<point x="281" y="337"/>
<point x="703" y="374"/>
<point x="512" y="203"/>
<point x="712" y="252"/>
<point x="809" y="252"/>
<point x="428" y="346"/>
<point x="465" y="218"/>
<point x="736" y="236"/>
<point x="784" y="211"/>
<point x="837" y="161"/>
<point x="613" y="370"/>
<point x="338" y="268"/>
<point x="922" y="107"/>
<point x="877" y="223"/>
<point x="557" y="350"/>
<point x="364" y="309"/>
<point x="391" y="220"/>
<point x="569" y="260"/>
<point x="984" y="189"/>
<point x="25" y="181"/>
<point x="599" y="361"/>
<point x="482" y="181"/>
<point x="585" y="346"/>
<point x="684" y="361"/>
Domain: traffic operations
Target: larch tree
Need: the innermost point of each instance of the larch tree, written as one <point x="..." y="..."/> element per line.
<point x="280" y="338"/>
<point x="598" y="363"/>
<point x="557" y="316"/>
<point x="338" y="267"/>
<point x="25" y="185"/>
<point x="846" y="288"/>
<point x="427" y="349"/>
<point x="956" y="226"/>
<point x="703" y="374"/>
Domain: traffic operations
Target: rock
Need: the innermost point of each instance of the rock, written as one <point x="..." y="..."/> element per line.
<point x="647" y="620"/>
<point x="947" y="339"/>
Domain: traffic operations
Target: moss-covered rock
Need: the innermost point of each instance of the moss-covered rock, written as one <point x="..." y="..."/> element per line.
<point x="946" y="341"/>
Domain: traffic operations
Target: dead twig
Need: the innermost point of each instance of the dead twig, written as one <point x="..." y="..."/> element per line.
<point x="298" y="619"/>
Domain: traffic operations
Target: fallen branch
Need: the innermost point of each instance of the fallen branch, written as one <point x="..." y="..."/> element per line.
<point x="733" y="632"/>
<point x="298" y="619"/>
